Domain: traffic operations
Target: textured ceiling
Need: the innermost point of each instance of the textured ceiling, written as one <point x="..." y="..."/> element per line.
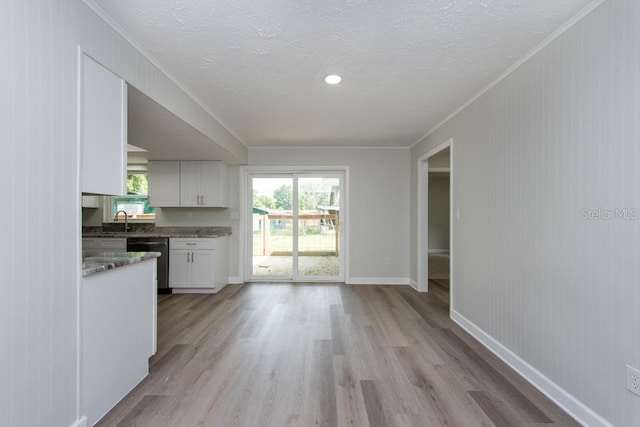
<point x="406" y="65"/>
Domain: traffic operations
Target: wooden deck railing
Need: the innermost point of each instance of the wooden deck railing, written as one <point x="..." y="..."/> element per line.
<point x="329" y="220"/>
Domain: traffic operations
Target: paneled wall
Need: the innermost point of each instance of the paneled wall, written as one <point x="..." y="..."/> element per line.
<point x="535" y="159"/>
<point x="40" y="260"/>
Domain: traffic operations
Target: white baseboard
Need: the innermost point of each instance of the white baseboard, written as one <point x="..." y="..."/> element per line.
<point x="438" y="251"/>
<point x="194" y="290"/>
<point x="80" y="422"/>
<point x="378" y="281"/>
<point x="237" y="280"/>
<point x="413" y="284"/>
<point x="576" y="409"/>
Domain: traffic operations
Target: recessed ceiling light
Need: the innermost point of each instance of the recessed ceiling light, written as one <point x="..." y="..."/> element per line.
<point x="332" y="79"/>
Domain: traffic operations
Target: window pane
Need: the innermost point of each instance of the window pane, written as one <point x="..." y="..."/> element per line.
<point x="137" y="184"/>
<point x="136" y="207"/>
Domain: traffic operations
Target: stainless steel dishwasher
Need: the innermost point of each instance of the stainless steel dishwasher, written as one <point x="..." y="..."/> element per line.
<point x="154" y="244"/>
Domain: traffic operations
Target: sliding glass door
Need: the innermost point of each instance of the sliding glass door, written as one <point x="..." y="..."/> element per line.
<point x="296" y="228"/>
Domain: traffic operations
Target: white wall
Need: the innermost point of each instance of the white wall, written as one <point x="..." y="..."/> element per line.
<point x="378" y="202"/>
<point x="438" y="211"/>
<point x="40" y="260"/>
<point x="558" y="135"/>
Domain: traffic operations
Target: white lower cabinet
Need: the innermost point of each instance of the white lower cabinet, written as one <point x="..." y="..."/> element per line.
<point x="198" y="265"/>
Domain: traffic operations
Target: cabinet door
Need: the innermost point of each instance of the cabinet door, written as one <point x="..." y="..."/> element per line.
<point x="214" y="182"/>
<point x="164" y="183"/>
<point x="190" y="184"/>
<point x="103" y="109"/>
<point x="202" y="269"/>
<point x="179" y="268"/>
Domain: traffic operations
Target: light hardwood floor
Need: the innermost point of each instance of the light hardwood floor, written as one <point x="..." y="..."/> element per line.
<point x="326" y="355"/>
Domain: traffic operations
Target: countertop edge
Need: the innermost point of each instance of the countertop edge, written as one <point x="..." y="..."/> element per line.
<point x="167" y="235"/>
<point x="104" y="261"/>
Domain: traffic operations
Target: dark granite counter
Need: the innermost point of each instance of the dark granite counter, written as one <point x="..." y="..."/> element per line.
<point x="103" y="261"/>
<point x="149" y="230"/>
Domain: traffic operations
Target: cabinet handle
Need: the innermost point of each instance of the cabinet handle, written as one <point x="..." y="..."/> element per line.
<point x="192" y="258"/>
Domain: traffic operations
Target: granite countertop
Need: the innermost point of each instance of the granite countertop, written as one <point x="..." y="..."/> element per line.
<point x="148" y="230"/>
<point x="103" y="261"/>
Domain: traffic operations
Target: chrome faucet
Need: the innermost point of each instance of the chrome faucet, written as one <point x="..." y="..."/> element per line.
<point x="126" y="219"/>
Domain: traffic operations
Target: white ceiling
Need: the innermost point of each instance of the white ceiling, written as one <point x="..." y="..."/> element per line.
<point x="406" y="64"/>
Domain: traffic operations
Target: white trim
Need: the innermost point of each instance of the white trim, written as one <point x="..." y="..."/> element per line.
<point x="436" y="150"/>
<point x="422" y="205"/>
<point x="245" y="221"/>
<point x="413" y="284"/>
<point x="117" y="28"/>
<point x="194" y="290"/>
<point x="551" y="37"/>
<point x="242" y="223"/>
<point x="576" y="409"/>
<point x="287" y="170"/>
<point x="438" y="251"/>
<point x="235" y="280"/>
<point x="378" y="281"/>
<point x="80" y="422"/>
<point x="451" y="225"/>
<point x="78" y="255"/>
<point x="326" y="147"/>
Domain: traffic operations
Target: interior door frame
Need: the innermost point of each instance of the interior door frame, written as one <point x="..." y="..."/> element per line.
<point x="423" y="218"/>
<point x="246" y="173"/>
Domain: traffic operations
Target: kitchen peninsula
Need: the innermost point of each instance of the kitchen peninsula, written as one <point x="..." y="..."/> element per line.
<point x="118" y="326"/>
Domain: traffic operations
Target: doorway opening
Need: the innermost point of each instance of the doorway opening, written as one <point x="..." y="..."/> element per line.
<point x="296" y="228"/>
<point x="435" y="221"/>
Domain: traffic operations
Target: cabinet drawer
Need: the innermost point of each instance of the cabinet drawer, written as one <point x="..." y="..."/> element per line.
<point x="179" y="243"/>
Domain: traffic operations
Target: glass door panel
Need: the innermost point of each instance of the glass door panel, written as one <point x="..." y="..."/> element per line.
<point x="318" y="236"/>
<point x="272" y="228"/>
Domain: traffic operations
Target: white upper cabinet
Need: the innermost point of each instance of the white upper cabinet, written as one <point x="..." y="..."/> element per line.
<point x="190" y="184"/>
<point x="193" y="184"/>
<point x="103" y="121"/>
<point x="204" y="184"/>
<point x="214" y="181"/>
<point x="164" y="183"/>
<point x="91" y="202"/>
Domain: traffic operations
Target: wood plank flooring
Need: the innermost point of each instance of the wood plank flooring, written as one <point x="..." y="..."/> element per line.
<point x="325" y="355"/>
